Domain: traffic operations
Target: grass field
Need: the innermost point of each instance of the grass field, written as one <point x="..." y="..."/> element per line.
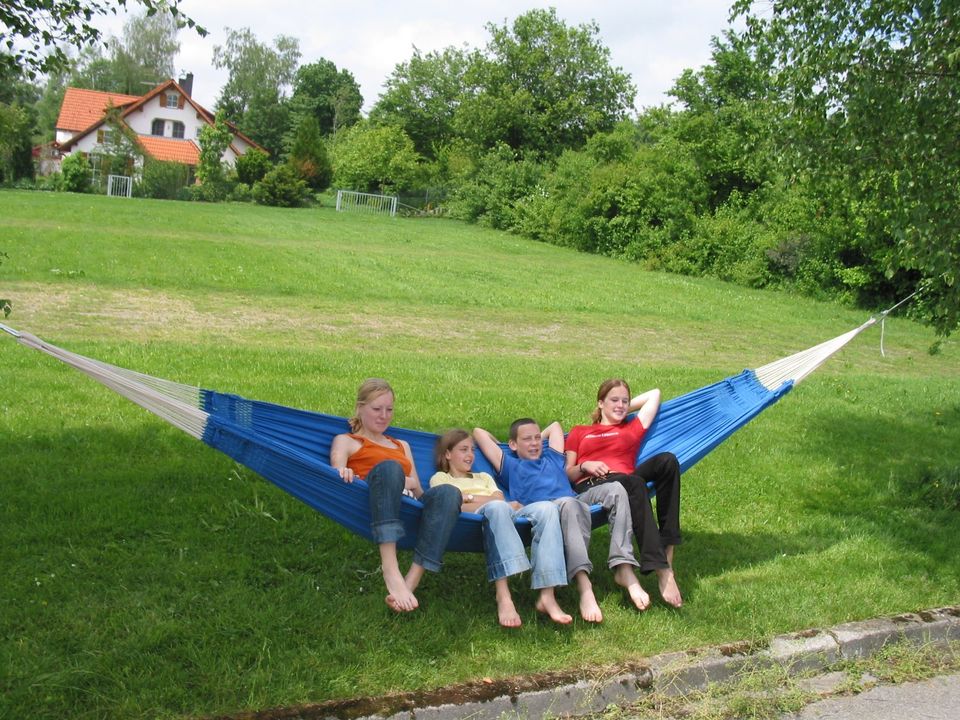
<point x="145" y="575"/>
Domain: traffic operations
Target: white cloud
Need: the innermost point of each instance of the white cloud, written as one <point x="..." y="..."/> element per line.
<point x="653" y="41"/>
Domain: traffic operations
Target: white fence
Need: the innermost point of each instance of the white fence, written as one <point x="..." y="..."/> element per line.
<point x="366" y="202"/>
<point x="119" y="185"/>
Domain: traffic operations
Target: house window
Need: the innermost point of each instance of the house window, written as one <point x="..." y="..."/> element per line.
<point x="157" y="127"/>
<point x="178" y="129"/>
<point x="173" y="100"/>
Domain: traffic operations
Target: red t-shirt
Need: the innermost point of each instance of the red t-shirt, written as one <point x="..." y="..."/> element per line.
<point x="616" y="445"/>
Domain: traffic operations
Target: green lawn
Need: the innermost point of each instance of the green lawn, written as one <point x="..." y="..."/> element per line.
<point x="146" y="575"/>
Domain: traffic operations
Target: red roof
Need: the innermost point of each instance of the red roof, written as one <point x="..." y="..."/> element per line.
<point x="82" y="108"/>
<point x="170" y="149"/>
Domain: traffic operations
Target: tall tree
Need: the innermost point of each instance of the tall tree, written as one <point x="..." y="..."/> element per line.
<point x="36" y="34"/>
<point x="143" y="56"/>
<point x="422" y="96"/>
<point x="254" y="68"/>
<point x="256" y="94"/>
<point x="331" y="96"/>
<point x="869" y="91"/>
<point x="542" y="86"/>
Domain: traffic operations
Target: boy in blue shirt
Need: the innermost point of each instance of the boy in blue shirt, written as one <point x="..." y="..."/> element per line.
<point x="531" y="473"/>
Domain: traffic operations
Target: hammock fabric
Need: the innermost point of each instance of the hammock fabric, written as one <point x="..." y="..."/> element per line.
<point x="291" y="447"/>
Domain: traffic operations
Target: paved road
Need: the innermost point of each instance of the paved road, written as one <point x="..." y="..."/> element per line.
<point x="936" y="699"/>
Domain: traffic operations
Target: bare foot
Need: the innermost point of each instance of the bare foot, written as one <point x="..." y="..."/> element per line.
<point x="589" y="609"/>
<point x="548" y="605"/>
<point x="668" y="587"/>
<point x="399" y="597"/>
<point x="625" y="577"/>
<point x="507" y="614"/>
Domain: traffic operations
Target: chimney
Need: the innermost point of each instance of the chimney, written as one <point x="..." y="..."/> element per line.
<point x="186" y="82"/>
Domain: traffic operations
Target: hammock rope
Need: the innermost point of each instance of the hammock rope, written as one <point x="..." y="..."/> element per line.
<point x="291" y="447"/>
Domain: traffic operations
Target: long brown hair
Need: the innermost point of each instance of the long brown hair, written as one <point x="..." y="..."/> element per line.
<point x="445" y="443"/>
<point x="605" y="387"/>
<point x="369" y="390"/>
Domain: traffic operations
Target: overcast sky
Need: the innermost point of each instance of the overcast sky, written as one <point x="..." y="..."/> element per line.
<point x="652" y="40"/>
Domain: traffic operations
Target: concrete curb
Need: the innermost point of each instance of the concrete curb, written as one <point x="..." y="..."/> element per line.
<point x="683" y="672"/>
<point x="673" y="673"/>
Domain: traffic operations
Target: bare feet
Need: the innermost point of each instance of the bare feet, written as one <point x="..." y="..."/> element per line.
<point x="589" y="609"/>
<point x="506" y="611"/>
<point x="625" y="577"/>
<point x="399" y="597"/>
<point x="548" y="605"/>
<point x="668" y="587"/>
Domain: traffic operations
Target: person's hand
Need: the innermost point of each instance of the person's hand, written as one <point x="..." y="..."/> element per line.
<point x="595" y="468"/>
<point x="346" y="474"/>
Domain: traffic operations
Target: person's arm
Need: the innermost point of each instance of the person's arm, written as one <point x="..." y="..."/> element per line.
<point x="412" y="480"/>
<point x="341" y="449"/>
<point x="489" y="447"/>
<point x="554" y="435"/>
<point x="646" y="405"/>
<point x="472" y="502"/>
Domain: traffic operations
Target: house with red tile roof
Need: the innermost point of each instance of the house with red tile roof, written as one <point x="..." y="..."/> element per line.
<point x="166" y="123"/>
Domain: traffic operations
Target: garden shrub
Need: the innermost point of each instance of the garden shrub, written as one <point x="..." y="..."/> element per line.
<point x="75" y="170"/>
<point x="252" y="166"/>
<point x="163" y="180"/>
<point x="281" y="187"/>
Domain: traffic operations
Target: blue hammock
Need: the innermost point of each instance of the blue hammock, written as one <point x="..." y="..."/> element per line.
<point x="291" y="447"/>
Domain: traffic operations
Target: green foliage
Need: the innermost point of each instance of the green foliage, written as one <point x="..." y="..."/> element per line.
<point x="421" y="96"/>
<point x="865" y="93"/>
<point x="15" y="127"/>
<point x="308" y="154"/>
<point x="75" y="170"/>
<point x="163" y="180"/>
<point x="214" y="141"/>
<point x="330" y="96"/>
<point x="490" y="193"/>
<point x="542" y="86"/>
<point x="48" y="30"/>
<point x="142" y="56"/>
<point x="379" y="159"/>
<point x="252" y="166"/>
<point x="282" y="187"/>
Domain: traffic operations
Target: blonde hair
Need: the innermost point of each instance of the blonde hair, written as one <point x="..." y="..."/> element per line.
<point x="369" y="390"/>
<point x="605" y="387"/>
<point x="445" y="443"/>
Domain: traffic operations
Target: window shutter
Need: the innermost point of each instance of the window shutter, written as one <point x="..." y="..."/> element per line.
<point x="180" y="103"/>
<point x="100" y="136"/>
<point x="163" y="99"/>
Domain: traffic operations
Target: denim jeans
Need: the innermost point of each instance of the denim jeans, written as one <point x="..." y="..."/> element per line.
<point x="505" y="552"/>
<point x="441" y="508"/>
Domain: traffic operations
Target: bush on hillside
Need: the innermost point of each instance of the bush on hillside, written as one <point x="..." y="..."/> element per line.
<point x="75" y="171"/>
<point x="163" y="180"/>
<point x="281" y="187"/>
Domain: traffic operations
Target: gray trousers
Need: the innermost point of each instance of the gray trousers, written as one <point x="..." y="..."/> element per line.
<point x="576" y="526"/>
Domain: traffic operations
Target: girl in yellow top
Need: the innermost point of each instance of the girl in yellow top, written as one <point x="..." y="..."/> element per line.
<point x="454" y="455"/>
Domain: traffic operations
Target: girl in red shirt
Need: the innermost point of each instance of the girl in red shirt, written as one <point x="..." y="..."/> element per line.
<point x="606" y="451"/>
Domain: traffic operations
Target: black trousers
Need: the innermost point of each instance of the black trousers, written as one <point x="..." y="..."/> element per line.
<point x="654" y="533"/>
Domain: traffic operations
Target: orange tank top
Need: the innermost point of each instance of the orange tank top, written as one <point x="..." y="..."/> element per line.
<point x="370" y="454"/>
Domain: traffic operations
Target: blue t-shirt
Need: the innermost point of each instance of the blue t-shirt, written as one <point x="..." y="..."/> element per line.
<point x="529" y="481"/>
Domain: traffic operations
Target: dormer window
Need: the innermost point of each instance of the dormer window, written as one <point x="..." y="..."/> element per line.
<point x="173" y="100"/>
<point x="157" y="127"/>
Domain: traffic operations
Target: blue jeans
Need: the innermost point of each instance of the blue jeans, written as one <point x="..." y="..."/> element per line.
<point x="505" y="552"/>
<point x="441" y="508"/>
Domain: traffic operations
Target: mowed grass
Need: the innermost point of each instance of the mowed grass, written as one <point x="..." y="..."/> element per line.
<point x="146" y="575"/>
